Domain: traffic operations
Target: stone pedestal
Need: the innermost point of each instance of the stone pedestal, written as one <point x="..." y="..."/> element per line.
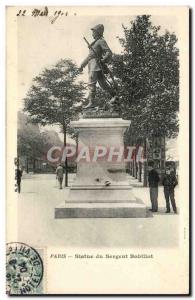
<point x="101" y="188"/>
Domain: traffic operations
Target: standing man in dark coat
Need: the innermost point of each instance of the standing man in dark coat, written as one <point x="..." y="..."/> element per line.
<point x="95" y="69"/>
<point x="153" y="180"/>
<point x="18" y="178"/>
<point x="169" y="183"/>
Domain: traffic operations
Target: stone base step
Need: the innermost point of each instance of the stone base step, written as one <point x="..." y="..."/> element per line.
<point x="98" y="194"/>
<point x="101" y="210"/>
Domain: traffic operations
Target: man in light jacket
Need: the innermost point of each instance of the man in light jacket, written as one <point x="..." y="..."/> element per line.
<point x="59" y="175"/>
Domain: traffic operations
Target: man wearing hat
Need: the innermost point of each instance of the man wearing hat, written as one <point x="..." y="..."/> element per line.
<point x="169" y="182"/>
<point x="153" y="180"/>
<point x="103" y="52"/>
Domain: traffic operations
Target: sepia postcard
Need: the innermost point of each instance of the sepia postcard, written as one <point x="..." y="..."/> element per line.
<point x="97" y="125"/>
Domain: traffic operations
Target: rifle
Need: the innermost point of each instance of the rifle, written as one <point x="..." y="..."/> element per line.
<point x="104" y="68"/>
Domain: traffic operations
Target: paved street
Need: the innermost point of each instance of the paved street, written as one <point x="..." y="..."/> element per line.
<point x="37" y="225"/>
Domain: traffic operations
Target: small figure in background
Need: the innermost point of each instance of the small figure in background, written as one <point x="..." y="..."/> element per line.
<point x="153" y="180"/>
<point x="19" y="172"/>
<point x="60" y="175"/>
<point x="169" y="183"/>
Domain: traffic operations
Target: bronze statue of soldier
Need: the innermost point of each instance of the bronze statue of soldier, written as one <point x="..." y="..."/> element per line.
<point x="99" y="55"/>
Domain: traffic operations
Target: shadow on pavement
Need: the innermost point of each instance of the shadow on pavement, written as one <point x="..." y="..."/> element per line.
<point x="28" y="192"/>
<point x="162" y="211"/>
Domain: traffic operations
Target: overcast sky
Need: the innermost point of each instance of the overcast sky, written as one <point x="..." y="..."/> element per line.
<point x="42" y="44"/>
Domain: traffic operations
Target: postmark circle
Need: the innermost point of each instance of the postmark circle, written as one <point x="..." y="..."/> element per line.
<point x="24" y="269"/>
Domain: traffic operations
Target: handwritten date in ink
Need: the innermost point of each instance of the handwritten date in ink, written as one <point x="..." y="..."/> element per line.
<point x="21" y="13"/>
<point x="37" y="12"/>
<point x="44" y="13"/>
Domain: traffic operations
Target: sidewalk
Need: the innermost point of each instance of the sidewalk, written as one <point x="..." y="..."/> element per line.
<point x="37" y="225"/>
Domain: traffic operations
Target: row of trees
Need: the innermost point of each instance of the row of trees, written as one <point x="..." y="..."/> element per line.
<point x="146" y="71"/>
<point x="32" y="143"/>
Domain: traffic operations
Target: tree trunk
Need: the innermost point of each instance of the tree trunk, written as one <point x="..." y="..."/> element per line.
<point x="34" y="165"/>
<point x="130" y="167"/>
<point x="145" y="174"/>
<point x="145" y="183"/>
<point x="27" y="164"/>
<point x="133" y="168"/>
<point x="66" y="161"/>
<point x="136" y="169"/>
<point x="135" y="163"/>
<point x="140" y="171"/>
<point x="77" y="146"/>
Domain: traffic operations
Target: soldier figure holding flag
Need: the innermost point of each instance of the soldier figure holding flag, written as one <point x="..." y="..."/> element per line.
<point x="99" y="55"/>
